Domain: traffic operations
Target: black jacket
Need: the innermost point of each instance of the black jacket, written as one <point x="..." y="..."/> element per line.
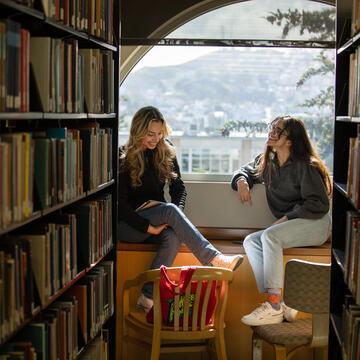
<point x="151" y="189"/>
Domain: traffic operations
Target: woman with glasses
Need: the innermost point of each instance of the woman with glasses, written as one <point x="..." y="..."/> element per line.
<point x="298" y="188"/>
<point x="147" y="164"/>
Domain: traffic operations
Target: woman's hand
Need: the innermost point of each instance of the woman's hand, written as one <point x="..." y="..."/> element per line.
<point x="281" y="220"/>
<point x="156" y="230"/>
<point x="243" y="191"/>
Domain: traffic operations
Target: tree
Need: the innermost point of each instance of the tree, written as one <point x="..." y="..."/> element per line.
<point x="122" y="122"/>
<point x="319" y="119"/>
<point x="322" y="25"/>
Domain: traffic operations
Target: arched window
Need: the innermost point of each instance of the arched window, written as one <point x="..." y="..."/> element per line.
<point x="221" y="77"/>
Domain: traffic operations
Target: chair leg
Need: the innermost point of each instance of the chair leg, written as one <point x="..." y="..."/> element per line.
<point x="155" y="349"/>
<point x="220" y="345"/>
<point x="210" y="350"/>
<point x="124" y="350"/>
<point x="320" y="353"/>
<point x="280" y="352"/>
<point x="256" y="347"/>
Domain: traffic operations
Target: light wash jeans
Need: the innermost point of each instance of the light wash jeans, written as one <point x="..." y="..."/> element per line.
<point x="265" y="248"/>
<point x="180" y="230"/>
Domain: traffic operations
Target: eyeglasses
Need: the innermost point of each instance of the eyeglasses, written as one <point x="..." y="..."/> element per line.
<point x="277" y="130"/>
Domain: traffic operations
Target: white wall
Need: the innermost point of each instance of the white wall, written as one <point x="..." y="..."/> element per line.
<point x="217" y="205"/>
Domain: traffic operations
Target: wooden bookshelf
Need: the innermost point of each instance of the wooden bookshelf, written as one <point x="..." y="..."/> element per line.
<point x="345" y="266"/>
<point x="22" y="213"/>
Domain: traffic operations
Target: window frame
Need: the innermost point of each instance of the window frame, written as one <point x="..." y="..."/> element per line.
<point x="136" y="48"/>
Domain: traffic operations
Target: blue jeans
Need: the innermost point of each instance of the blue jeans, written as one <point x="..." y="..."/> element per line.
<point x="265" y="248"/>
<point x="180" y="230"/>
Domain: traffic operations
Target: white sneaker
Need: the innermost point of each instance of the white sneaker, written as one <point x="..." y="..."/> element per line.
<point x="265" y="314"/>
<point x="289" y="313"/>
<point x="144" y="303"/>
<point x="227" y="261"/>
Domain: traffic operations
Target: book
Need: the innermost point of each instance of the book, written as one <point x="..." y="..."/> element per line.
<point x="109" y="285"/>
<point x="84" y="228"/>
<point x="52" y="315"/>
<point x="2" y="65"/>
<point x="41" y="171"/>
<point x="12" y="62"/>
<point x="40" y="260"/>
<point x="41" y="59"/>
<point x="350" y="216"/>
<point x="147" y="204"/>
<point x="80" y="292"/>
<point x="36" y="333"/>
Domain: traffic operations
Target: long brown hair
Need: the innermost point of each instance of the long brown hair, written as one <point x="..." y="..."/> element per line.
<point x="301" y="150"/>
<point x="133" y="159"/>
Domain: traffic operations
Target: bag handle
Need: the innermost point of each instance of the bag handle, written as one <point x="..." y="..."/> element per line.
<point x="185" y="276"/>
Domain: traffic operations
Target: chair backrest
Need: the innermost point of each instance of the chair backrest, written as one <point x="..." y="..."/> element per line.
<point x="307" y="286"/>
<point x="199" y="304"/>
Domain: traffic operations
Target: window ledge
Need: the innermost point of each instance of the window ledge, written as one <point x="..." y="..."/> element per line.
<point x="222" y="240"/>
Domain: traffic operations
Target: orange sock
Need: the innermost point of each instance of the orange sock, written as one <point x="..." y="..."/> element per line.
<point x="274" y="298"/>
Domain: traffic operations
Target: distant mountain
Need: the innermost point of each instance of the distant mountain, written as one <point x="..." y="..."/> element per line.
<point x="247" y="84"/>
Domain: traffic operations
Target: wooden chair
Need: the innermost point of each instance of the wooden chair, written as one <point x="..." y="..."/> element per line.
<point x="172" y="339"/>
<point x="307" y="289"/>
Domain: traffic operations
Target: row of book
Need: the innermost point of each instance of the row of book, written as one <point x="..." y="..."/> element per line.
<point x="354" y="84"/>
<point x="350" y="329"/>
<point x="99" y="348"/>
<point x="72" y="322"/>
<point x="351" y="256"/>
<point x="353" y="176"/>
<point x="14" y="67"/>
<point x="16" y="285"/>
<point x="94" y="17"/>
<point x="17" y="177"/>
<point x="38" y="262"/>
<point x="52" y="75"/>
<point x="70" y="161"/>
<point x="29" y="3"/>
<point x="52" y="166"/>
<point x="95" y="295"/>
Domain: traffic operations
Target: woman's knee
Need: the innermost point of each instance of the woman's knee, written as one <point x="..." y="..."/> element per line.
<point x="250" y="241"/>
<point x="171" y="207"/>
<point x="170" y="210"/>
<point x="270" y="237"/>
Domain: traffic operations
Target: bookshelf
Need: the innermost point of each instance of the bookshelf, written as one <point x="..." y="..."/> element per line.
<point x="345" y="271"/>
<point x="59" y="79"/>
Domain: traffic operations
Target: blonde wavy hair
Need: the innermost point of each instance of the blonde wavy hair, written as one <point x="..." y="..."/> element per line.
<point x="133" y="159"/>
<point x="301" y="149"/>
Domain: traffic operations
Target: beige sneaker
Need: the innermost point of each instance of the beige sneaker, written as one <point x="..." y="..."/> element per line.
<point x="227" y="261"/>
<point x="289" y="313"/>
<point x="144" y="303"/>
<point x="264" y="315"/>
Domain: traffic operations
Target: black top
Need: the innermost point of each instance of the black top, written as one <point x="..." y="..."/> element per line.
<point x="151" y="189"/>
<point x="296" y="190"/>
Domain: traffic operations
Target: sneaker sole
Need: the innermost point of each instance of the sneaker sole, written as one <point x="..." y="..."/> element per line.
<point x="275" y="320"/>
<point x="238" y="263"/>
<point x="142" y="308"/>
<point x="291" y="317"/>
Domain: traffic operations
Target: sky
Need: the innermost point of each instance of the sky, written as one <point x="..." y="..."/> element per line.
<point x="237" y="21"/>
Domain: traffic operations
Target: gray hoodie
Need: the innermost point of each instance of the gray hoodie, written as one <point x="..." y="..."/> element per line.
<point x="296" y="190"/>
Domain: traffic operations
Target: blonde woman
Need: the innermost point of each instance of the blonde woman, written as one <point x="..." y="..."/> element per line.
<point x="298" y="188"/>
<point x="147" y="163"/>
